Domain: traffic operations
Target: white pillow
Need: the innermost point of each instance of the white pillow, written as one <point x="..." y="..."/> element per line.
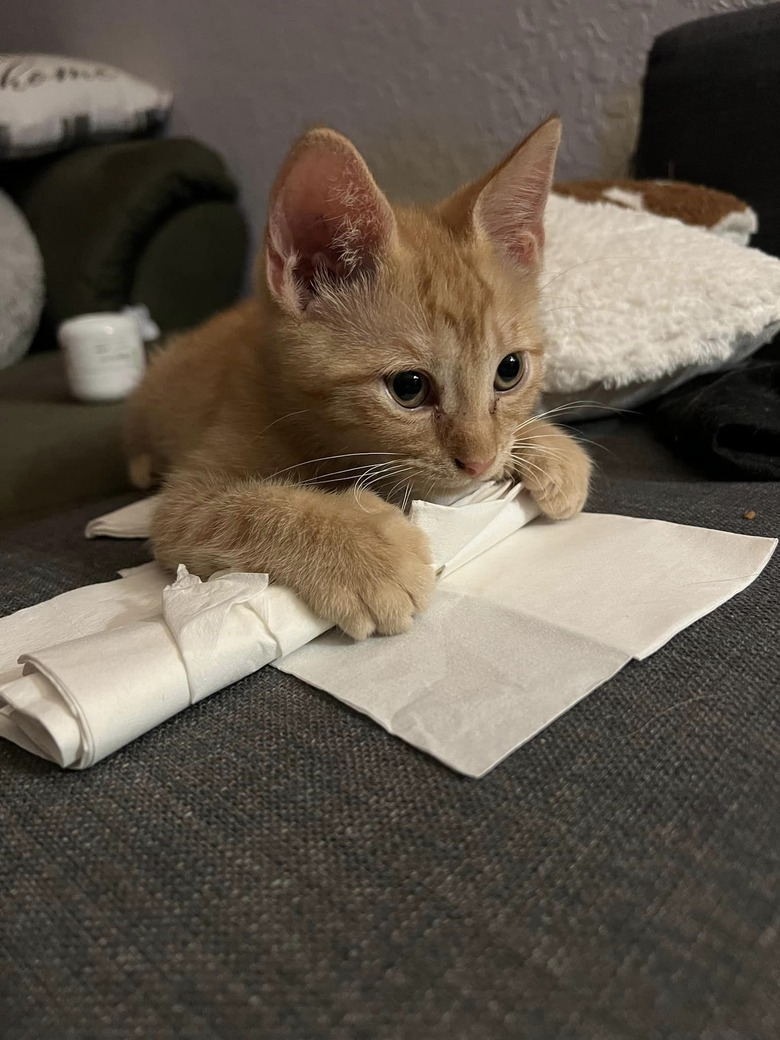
<point x="48" y="103"/>
<point x="635" y="304"/>
<point x="21" y="283"/>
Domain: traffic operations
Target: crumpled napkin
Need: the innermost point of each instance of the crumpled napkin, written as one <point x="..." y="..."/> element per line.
<point x="528" y="618"/>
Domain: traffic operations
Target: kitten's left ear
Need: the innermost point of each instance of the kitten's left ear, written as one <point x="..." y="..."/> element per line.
<point x="507" y="205"/>
<point x="327" y="220"/>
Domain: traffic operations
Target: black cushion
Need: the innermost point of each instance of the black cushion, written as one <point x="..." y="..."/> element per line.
<point x="711" y="110"/>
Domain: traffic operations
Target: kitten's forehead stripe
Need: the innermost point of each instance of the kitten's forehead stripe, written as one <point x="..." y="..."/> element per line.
<point x="514" y="335"/>
<point x="454" y="295"/>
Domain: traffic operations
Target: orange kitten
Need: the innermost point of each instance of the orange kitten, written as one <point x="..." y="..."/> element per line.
<point x="387" y="352"/>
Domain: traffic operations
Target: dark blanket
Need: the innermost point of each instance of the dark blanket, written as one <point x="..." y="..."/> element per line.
<point x="727" y="425"/>
<point x="271" y="864"/>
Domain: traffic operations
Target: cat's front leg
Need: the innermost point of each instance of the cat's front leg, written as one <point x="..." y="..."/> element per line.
<point x="554" y="468"/>
<point x="354" y="559"/>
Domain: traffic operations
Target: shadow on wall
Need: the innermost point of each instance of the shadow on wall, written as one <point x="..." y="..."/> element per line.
<point x="620" y="131"/>
<point x="415" y="163"/>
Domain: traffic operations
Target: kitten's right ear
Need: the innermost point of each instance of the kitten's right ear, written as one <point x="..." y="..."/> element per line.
<point x="507" y="204"/>
<point x="328" y="221"/>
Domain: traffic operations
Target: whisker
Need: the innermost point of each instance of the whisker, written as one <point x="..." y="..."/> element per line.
<point x="522" y="460"/>
<point x="544" y="440"/>
<point x="376" y="476"/>
<point x="407" y="496"/>
<point x="544" y="453"/>
<point x="429" y="487"/>
<point x="344" y="474"/>
<point x="545" y="457"/>
<point x="401" y="472"/>
<point x="316" y="482"/>
<point x="328" y="458"/>
<point x="526" y="463"/>
<point x="339" y="474"/>
<point x="578" y="436"/>
<point x="391" y="492"/>
<point x="582" y="307"/>
<point x="593" y="444"/>
<point x="568" y="406"/>
<point x="280" y="419"/>
<point x="534" y="449"/>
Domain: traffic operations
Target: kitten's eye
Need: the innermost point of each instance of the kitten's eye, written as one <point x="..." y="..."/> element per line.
<point x="410" y="389"/>
<point x="510" y="371"/>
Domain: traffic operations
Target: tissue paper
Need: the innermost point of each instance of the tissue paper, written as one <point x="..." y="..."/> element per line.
<point x="528" y="617"/>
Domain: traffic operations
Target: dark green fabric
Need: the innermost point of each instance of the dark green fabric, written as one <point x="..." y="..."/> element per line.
<point x="54" y="451"/>
<point x="269" y="864"/>
<point x="97" y="211"/>
<point x="192" y="266"/>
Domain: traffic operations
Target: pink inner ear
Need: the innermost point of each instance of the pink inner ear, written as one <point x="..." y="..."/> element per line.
<point x="328" y="217"/>
<point x="511" y="206"/>
<point x="526" y="246"/>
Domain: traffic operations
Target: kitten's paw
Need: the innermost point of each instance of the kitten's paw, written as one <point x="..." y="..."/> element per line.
<point x="556" y="473"/>
<point x="376" y="575"/>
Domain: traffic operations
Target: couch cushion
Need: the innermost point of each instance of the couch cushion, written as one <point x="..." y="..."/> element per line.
<point x="100" y="246"/>
<point x="711" y="108"/>
<point x="54" y="451"/>
<point x="50" y="102"/>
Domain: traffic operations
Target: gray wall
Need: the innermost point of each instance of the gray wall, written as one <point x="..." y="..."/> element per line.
<point x="431" y="90"/>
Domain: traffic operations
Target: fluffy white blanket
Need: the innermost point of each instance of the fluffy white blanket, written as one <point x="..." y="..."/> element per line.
<point x="636" y="303"/>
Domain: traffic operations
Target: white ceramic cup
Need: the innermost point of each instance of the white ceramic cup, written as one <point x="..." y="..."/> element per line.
<point x="104" y="355"/>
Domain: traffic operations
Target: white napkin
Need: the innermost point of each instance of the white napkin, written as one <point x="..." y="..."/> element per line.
<point x="523" y="624"/>
<point x="519" y="635"/>
<point x="133" y="521"/>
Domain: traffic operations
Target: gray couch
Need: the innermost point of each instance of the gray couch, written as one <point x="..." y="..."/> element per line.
<point x="270" y="864"/>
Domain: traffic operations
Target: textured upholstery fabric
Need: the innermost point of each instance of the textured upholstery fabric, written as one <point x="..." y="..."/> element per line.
<point x="270" y="864"/>
<point x="21" y="283"/>
<point x="151" y="222"/>
<point x="711" y="106"/>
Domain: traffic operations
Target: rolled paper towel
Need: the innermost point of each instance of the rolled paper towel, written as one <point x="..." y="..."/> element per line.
<point x="84" y="699"/>
<point x="92" y="685"/>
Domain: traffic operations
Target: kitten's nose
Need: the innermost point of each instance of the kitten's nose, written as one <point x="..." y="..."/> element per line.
<point x="475" y="467"/>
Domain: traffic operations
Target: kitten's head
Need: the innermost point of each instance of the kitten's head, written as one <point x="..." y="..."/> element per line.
<point x="409" y="336"/>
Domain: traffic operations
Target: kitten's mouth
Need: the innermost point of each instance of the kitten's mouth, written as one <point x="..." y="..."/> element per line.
<point x="461" y="483"/>
<point x="472" y="482"/>
<point x="434" y="484"/>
